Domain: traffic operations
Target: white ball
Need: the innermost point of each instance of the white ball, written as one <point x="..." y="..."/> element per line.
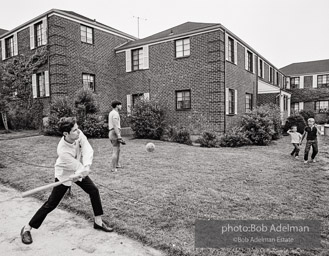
<point x="150" y="147"/>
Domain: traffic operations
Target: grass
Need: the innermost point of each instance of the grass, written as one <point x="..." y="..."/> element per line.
<point x="157" y="196"/>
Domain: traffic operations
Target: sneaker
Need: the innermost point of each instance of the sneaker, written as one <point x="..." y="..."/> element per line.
<point x="313" y="160"/>
<point x="26" y="236"/>
<point x="296" y="157"/>
<point x="114" y="170"/>
<point x="305" y="162"/>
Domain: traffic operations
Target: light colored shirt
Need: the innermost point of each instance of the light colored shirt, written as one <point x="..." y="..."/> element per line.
<point x="72" y="158"/>
<point x="296" y="137"/>
<point x="114" y="120"/>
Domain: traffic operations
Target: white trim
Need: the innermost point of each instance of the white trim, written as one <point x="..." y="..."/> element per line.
<point x="32" y="40"/>
<point x="264" y="87"/>
<point x="301" y="82"/>
<point x="47" y="89"/>
<point x="289" y="107"/>
<point x="3" y="49"/>
<point x="226" y="46"/>
<point x="315" y="81"/>
<point x="146" y="57"/>
<point x="129" y="100"/>
<point x="310" y="74"/>
<point x="168" y="40"/>
<point x="34" y="86"/>
<point x="44" y="31"/>
<point x="235" y="52"/>
<point x="128" y="60"/>
<point x="15" y="44"/>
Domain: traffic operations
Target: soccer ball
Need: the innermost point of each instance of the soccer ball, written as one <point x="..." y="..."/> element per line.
<point x="150" y="147"/>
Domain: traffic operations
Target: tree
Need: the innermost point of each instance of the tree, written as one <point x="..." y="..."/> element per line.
<point x="16" y="80"/>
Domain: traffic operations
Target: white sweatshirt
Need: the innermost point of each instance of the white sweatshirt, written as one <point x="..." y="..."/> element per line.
<point x="69" y="158"/>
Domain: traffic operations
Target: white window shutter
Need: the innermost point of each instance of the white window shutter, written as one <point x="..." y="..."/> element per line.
<point x="44" y="31"/>
<point x="3" y="49"/>
<point x="226" y="46"/>
<point x="15" y="44"/>
<point x="258" y="66"/>
<point x="255" y="64"/>
<point x="146" y="56"/>
<point x="34" y="86"/>
<point x="301" y="106"/>
<point x="275" y="80"/>
<point x="128" y="60"/>
<point x="226" y="101"/>
<point x="315" y="81"/>
<point x="301" y="82"/>
<point x="235" y="52"/>
<point x="147" y="96"/>
<point x="129" y="101"/>
<point x="235" y="102"/>
<point x="32" y="40"/>
<point x="263" y="70"/>
<point x="47" y="89"/>
<point x="246" y="59"/>
<point x="288" y="82"/>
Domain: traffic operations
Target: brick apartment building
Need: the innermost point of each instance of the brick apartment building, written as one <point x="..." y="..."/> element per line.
<point x="194" y="69"/>
<point x="199" y="69"/>
<point x="309" y="85"/>
<point x="80" y="54"/>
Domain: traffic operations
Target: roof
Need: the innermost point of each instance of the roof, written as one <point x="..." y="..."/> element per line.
<point x="2" y="31"/>
<point x="187" y="27"/>
<point x="70" y="14"/>
<point x="309" y="67"/>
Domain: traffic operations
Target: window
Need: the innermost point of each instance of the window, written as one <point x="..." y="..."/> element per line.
<point x="321" y="106"/>
<point x="277" y="78"/>
<point x="41" y="85"/>
<point x="231" y="101"/>
<point x="294" y="82"/>
<point x="271" y="75"/>
<point x="183" y="100"/>
<point x="38" y="34"/>
<point x="182" y="48"/>
<point x="9" y="42"/>
<point x="137" y="59"/>
<point x="323" y="81"/>
<point x="250" y="62"/>
<point x="285" y="102"/>
<point x="88" y="81"/>
<point x="87" y="35"/>
<point x="137" y="97"/>
<point x="231" y="50"/>
<point x="248" y="102"/>
<point x="295" y="106"/>
<point x="261" y="68"/>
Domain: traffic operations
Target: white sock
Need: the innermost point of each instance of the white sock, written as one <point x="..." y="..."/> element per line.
<point x="27" y="228"/>
<point x="98" y="220"/>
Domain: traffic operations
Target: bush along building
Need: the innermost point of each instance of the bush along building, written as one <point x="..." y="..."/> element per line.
<point x="80" y="55"/>
<point x="199" y="70"/>
<point x="202" y="73"/>
<point x="309" y="86"/>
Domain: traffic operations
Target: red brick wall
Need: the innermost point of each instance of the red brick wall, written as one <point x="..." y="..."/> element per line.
<point x="202" y="72"/>
<point x="69" y="58"/>
<point x="238" y="78"/>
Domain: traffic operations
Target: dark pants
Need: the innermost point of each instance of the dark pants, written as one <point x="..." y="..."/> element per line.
<point x="309" y="144"/>
<point x="58" y="193"/>
<point x="296" y="149"/>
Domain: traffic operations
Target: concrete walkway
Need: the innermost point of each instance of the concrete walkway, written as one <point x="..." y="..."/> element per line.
<point x="62" y="233"/>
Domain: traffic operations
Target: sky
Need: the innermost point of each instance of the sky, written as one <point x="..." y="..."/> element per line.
<point x="282" y="31"/>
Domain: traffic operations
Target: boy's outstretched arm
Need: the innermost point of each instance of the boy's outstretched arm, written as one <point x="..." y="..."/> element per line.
<point x="304" y="134"/>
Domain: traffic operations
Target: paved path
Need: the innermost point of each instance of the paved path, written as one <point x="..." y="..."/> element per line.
<point x="61" y="234"/>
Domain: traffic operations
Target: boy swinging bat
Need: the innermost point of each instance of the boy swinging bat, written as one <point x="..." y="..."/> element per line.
<point x="72" y="147"/>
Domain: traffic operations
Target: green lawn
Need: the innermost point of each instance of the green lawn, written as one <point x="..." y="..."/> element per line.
<point x="157" y="196"/>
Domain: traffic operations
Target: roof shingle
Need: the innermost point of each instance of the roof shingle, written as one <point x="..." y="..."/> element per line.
<point x="309" y="67"/>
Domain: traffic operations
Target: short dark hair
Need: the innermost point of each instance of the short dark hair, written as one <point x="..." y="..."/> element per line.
<point x="66" y="124"/>
<point x="115" y="103"/>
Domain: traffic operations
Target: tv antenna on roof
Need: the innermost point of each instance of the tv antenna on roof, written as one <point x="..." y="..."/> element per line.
<point x="138" y="18"/>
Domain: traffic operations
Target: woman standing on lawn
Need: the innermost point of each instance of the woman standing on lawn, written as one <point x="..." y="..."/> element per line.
<point x="70" y="149"/>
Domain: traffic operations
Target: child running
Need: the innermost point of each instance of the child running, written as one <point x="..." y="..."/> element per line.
<point x="311" y="132"/>
<point x="296" y="138"/>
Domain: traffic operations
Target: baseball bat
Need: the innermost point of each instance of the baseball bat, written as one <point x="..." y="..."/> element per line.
<point x="51" y="185"/>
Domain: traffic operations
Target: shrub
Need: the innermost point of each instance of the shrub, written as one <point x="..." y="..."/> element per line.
<point x="306" y="114"/>
<point x="208" y="140"/>
<point x="262" y="125"/>
<point x="321" y="118"/>
<point x="169" y="133"/>
<point x="297" y="120"/>
<point x="85" y="101"/>
<point x="183" y="136"/>
<point x="148" y="119"/>
<point x="58" y="109"/>
<point x="94" y="126"/>
<point x="234" y="138"/>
